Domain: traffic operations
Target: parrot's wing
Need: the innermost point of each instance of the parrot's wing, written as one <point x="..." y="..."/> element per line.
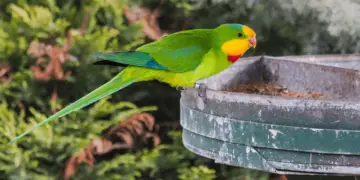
<point x="134" y="58"/>
<point x="178" y="52"/>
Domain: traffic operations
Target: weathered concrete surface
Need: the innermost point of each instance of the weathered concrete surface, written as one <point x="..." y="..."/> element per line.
<point x="278" y="134"/>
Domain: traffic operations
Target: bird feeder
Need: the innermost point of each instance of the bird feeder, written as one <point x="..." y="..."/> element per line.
<point x="284" y="115"/>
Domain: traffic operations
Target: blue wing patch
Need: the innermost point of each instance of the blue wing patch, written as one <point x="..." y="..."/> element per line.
<point x="154" y="65"/>
<point x="134" y="58"/>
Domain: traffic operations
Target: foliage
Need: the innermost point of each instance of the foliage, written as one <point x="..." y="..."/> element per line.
<point x="283" y="27"/>
<point x="54" y="142"/>
<point x="199" y="172"/>
<point x="45" y="65"/>
<point x="51" y="24"/>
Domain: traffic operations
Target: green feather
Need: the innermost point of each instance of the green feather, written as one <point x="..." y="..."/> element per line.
<point x="133" y="58"/>
<point x="115" y="84"/>
<point x="178" y="52"/>
<point x="182" y="51"/>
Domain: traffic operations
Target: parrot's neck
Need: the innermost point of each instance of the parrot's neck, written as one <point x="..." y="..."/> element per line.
<point x="220" y="55"/>
<point x="221" y="60"/>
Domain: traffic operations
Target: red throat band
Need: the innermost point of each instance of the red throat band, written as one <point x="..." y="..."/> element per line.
<point x="233" y="58"/>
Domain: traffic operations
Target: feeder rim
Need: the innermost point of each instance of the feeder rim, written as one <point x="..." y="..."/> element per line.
<point x="316" y="57"/>
<point x="267" y="100"/>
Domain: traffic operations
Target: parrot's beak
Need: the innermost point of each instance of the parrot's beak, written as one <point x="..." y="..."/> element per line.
<point x="252" y="42"/>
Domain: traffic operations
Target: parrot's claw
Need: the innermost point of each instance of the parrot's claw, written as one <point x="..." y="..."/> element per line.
<point x="201" y="89"/>
<point x="180" y="88"/>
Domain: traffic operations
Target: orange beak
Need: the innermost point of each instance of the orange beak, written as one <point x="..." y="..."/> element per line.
<point x="252" y="42"/>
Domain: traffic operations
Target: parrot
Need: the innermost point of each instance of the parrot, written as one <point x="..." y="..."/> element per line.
<point x="179" y="59"/>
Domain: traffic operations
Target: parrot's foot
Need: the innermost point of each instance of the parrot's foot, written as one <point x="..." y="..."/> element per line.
<point x="201" y="89"/>
<point x="180" y="88"/>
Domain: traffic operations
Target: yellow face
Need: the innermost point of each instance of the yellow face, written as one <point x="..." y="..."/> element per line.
<point x="238" y="46"/>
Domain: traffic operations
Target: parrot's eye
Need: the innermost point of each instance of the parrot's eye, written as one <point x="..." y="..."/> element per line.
<point x="240" y="35"/>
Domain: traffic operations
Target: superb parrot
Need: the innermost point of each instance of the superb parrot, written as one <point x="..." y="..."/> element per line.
<point x="179" y="59"/>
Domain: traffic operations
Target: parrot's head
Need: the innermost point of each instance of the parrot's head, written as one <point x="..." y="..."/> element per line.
<point x="234" y="40"/>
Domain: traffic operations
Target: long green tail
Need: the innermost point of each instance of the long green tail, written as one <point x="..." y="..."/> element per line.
<point x="117" y="83"/>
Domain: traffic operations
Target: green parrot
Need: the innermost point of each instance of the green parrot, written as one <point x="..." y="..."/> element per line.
<point x="179" y="59"/>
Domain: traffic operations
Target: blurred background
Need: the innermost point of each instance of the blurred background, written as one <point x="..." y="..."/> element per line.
<point x="135" y="133"/>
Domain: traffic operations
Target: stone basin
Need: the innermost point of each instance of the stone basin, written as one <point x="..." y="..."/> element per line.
<point x="284" y="135"/>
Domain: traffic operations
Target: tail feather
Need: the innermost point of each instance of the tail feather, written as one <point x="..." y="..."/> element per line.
<point x="115" y="84"/>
